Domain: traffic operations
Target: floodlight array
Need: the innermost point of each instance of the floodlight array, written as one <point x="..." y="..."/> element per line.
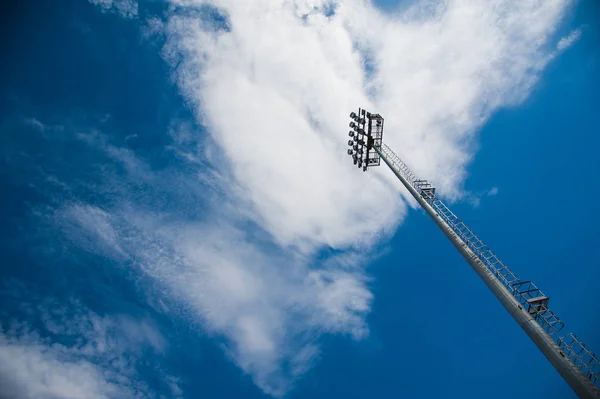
<point x="359" y="141"/>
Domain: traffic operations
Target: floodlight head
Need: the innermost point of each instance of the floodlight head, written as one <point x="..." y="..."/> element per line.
<point x="367" y="134"/>
<point x="350" y="151"/>
<point x="350" y="142"/>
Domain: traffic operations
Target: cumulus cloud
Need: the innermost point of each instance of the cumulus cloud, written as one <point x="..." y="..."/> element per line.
<point x="272" y="82"/>
<point x="275" y="90"/>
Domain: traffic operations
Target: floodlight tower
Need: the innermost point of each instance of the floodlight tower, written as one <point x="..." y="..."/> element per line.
<point x="522" y="298"/>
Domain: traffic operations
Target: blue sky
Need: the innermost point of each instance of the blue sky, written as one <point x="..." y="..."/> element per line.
<point x="161" y="236"/>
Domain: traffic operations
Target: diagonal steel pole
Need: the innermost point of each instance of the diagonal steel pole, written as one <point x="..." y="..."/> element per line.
<point x="514" y="302"/>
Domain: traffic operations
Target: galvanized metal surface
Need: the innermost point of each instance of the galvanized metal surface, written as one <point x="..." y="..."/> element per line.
<point x="523" y="300"/>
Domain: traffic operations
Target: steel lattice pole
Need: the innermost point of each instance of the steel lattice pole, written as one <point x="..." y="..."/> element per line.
<point x="525" y="302"/>
<point x="573" y="375"/>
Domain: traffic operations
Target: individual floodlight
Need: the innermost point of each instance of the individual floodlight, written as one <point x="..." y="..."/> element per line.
<point x="350" y="142"/>
<point x="350" y="151"/>
<point x="352" y="124"/>
<point x="352" y="115"/>
<point x="351" y="134"/>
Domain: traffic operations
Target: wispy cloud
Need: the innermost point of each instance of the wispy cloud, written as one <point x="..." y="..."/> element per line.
<point x="34" y="371"/>
<point x="269" y="305"/>
<point x="125" y="8"/>
<point x="474" y="198"/>
<point x="73" y="352"/>
<point x="91" y="229"/>
<point x="569" y="40"/>
<point x="35" y="123"/>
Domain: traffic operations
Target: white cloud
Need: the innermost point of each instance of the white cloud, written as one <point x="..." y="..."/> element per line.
<point x="77" y="354"/>
<point x="569" y="40"/>
<point x="273" y="85"/>
<point x="34" y="371"/>
<point x="35" y="123"/>
<point x="269" y="306"/>
<point x="474" y="198"/>
<point x="90" y="227"/>
<point x="125" y="8"/>
<point x="276" y="89"/>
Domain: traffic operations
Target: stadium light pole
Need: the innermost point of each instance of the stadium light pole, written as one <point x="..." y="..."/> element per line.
<point x="525" y="302"/>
